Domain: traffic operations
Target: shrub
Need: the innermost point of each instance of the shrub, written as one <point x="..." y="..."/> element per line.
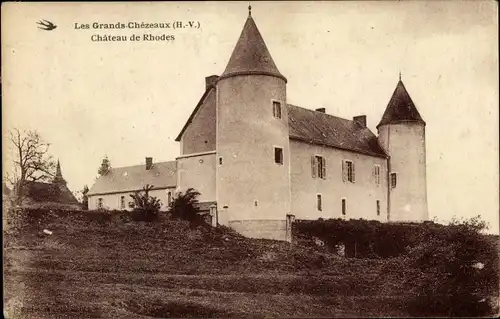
<point x="185" y="206"/>
<point x="146" y="208"/>
<point x="458" y="271"/>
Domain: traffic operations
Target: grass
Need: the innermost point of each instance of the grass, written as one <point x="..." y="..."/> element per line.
<point x="115" y="269"/>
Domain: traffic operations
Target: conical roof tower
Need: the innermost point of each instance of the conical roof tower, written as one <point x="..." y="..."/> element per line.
<point x="400" y="108"/>
<point x="250" y="55"/>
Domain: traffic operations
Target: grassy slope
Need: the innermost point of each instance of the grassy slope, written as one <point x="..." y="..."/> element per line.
<point x="114" y="269"/>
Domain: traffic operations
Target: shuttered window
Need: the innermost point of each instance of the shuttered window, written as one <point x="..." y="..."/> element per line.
<point x="344" y="206"/>
<point x="318" y="166"/>
<point x="122" y="202"/>
<point x="99" y="203"/>
<point x="348" y="171"/>
<point x="319" y="203"/>
<point x="378" y="208"/>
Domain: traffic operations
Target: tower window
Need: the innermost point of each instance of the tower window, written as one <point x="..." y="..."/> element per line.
<point x="319" y="203"/>
<point x="122" y="202"/>
<point x="378" y="208"/>
<point x="348" y="171"/>
<point x="344" y="206"/>
<point x="277" y="109"/>
<point x="394" y="180"/>
<point x="376" y="174"/>
<point x="278" y="155"/>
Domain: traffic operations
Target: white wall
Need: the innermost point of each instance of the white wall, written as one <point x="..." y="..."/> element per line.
<point x="198" y="172"/>
<point x="246" y="135"/>
<point x="361" y="196"/>
<point x="405" y="143"/>
<point x="112" y="201"/>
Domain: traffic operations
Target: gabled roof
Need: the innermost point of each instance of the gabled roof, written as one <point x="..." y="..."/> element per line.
<point x="132" y="178"/>
<point x="200" y="103"/>
<point x="48" y="192"/>
<point x="250" y="55"/>
<point x="324" y="129"/>
<point x="400" y="108"/>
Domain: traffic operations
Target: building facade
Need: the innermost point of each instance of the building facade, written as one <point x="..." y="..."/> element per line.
<point x="259" y="159"/>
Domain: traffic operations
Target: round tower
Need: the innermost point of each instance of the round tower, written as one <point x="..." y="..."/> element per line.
<point x="253" y="161"/>
<point x="401" y="132"/>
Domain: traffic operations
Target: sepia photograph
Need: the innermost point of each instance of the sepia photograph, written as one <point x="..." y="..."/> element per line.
<point x="263" y="159"/>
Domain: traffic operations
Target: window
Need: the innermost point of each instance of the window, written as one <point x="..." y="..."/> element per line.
<point x="277" y="109"/>
<point x="348" y="171"/>
<point x="99" y="202"/>
<point x="319" y="204"/>
<point x="378" y="208"/>
<point x="278" y="155"/>
<point x="169" y="198"/>
<point x="122" y="202"/>
<point x="318" y="166"/>
<point x="394" y="180"/>
<point x="220" y="160"/>
<point x="376" y="174"/>
<point x="344" y="206"/>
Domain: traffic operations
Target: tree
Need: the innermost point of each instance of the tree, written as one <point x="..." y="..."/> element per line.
<point x="185" y="206"/>
<point x="146" y="207"/>
<point x="85" y="198"/>
<point x="105" y="166"/>
<point x="31" y="160"/>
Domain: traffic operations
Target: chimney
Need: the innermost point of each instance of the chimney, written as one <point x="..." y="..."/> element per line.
<point x="210" y="81"/>
<point x="321" y="109"/>
<point x="149" y="163"/>
<point x="361" y="120"/>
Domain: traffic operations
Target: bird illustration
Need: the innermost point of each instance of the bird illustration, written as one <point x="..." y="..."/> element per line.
<point x="46" y="25"/>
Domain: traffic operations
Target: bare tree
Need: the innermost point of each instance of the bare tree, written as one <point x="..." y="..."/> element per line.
<point x="31" y="160"/>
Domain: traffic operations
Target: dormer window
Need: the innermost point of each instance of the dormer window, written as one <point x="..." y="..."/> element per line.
<point x="277" y="109"/>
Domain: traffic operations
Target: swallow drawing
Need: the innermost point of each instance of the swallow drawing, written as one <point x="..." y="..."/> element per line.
<point x="46" y="25"/>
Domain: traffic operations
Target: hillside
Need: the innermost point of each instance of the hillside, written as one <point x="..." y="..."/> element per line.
<point x="112" y="268"/>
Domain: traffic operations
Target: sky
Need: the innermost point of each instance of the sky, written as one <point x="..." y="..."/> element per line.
<point x="129" y="100"/>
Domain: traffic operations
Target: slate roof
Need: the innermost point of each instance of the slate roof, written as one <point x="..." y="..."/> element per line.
<point x="132" y="178"/>
<point x="325" y="129"/>
<point x="400" y="108"/>
<point x="250" y="55"/>
<point x="49" y="192"/>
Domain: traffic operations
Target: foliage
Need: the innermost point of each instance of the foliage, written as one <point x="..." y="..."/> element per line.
<point x="85" y="198"/>
<point x="459" y="271"/>
<point x="31" y="160"/>
<point x="444" y="261"/>
<point x="362" y="238"/>
<point x="185" y="206"/>
<point x="105" y="166"/>
<point x="146" y="207"/>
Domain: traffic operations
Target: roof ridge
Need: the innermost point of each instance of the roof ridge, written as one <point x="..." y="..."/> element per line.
<point x="139" y="165"/>
<point x="327" y="114"/>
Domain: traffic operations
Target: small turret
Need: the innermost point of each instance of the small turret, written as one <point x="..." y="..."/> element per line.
<point x="402" y="134"/>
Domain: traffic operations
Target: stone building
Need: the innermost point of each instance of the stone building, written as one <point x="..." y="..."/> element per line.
<point x="259" y="158"/>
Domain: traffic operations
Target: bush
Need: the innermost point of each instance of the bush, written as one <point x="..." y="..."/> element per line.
<point x="145" y="207"/>
<point x="459" y="271"/>
<point x="185" y="206"/>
